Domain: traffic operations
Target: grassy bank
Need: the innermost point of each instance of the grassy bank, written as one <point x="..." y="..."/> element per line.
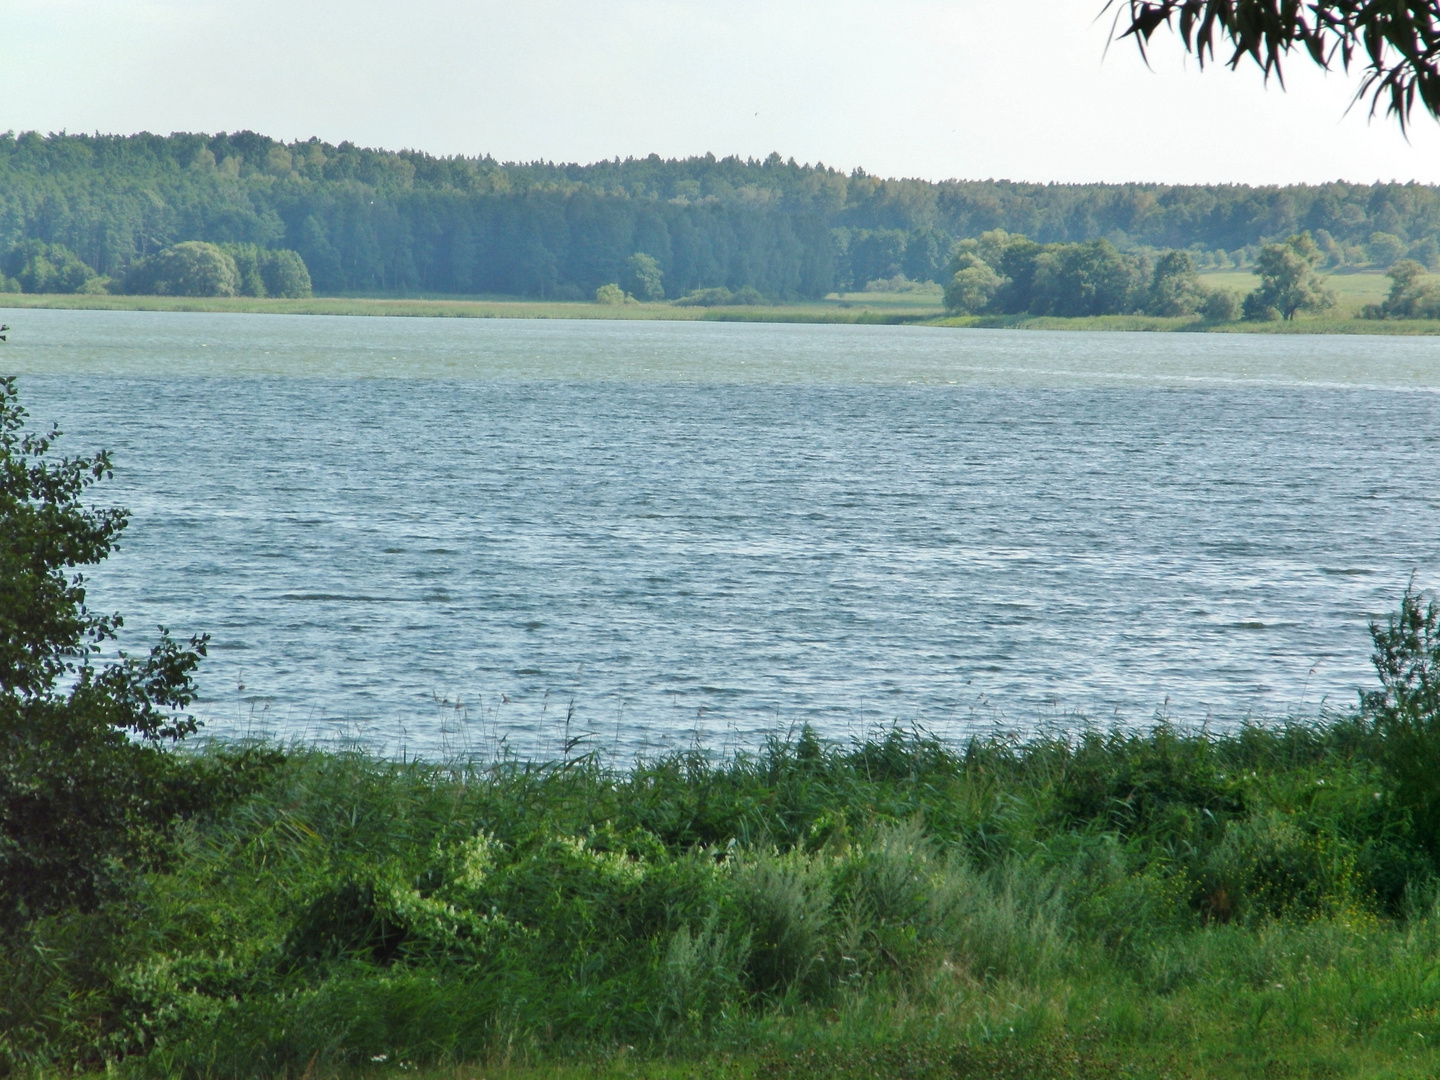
<point x="859" y="308"/>
<point x="921" y="307"/>
<point x="1192" y="324"/>
<point x="1162" y="903"/>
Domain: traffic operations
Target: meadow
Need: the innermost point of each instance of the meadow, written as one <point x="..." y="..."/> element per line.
<point x="850" y="308"/>
<point x="921" y="306"/>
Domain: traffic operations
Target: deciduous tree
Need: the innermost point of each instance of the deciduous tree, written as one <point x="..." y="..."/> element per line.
<point x="643" y="276"/>
<point x="1288" y="282"/>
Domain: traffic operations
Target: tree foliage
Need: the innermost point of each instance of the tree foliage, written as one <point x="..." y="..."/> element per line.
<point x="1411" y="296"/>
<point x="196" y="268"/>
<point x="611" y="294"/>
<point x="85" y="789"/>
<point x="375" y="221"/>
<point x="1174" y="286"/>
<point x="643" y="277"/>
<point x="191" y="268"/>
<point x="262" y="272"/>
<point x="971" y="286"/>
<point x="1009" y="275"/>
<point x="1394" y="43"/>
<point x="1288" y="282"/>
<point x="1405" y="711"/>
<point x="37" y="267"/>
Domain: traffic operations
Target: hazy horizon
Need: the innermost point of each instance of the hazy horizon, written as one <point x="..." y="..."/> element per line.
<point x="912" y="89"/>
<point x="557" y="162"/>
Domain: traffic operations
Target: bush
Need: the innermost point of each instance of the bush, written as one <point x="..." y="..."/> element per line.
<point x="1384" y="249"/>
<point x="262" y="272"/>
<point x="643" y="277"/>
<point x="719" y="296"/>
<point x="1411" y="296"/>
<point x="192" y="268"/>
<point x="971" y="286"/>
<point x="86" y="791"/>
<point x="1257" y="308"/>
<point x="785" y="909"/>
<point x="285" y="275"/>
<point x="1405" y="711"/>
<point x="1174" y="286"/>
<point x="1220" y="305"/>
<point x="612" y="294"/>
<point x="38" y="267"/>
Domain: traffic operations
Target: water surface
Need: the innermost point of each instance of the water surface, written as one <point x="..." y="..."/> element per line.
<point x="438" y="532"/>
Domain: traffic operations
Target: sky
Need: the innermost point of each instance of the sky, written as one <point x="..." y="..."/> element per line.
<point x="973" y="89"/>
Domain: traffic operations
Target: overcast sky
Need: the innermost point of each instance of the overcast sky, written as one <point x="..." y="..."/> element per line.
<point x="967" y="88"/>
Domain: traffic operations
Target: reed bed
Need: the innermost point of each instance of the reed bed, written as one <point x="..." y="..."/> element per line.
<point x="1099" y="903"/>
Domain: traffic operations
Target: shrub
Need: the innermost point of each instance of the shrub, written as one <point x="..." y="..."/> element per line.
<point x="38" y="267"/>
<point x="612" y="294"/>
<point x="784" y="902"/>
<point x="700" y="975"/>
<point x="248" y="258"/>
<point x="1411" y="296"/>
<point x="1267" y="867"/>
<point x="643" y="277"/>
<point x="719" y="296"/>
<point x="1405" y="711"/>
<point x="971" y="286"/>
<point x="1174" y="286"/>
<point x="262" y="272"/>
<point x="1220" y="305"/>
<point x="285" y="275"/>
<point x="1257" y="308"/>
<point x="86" y="791"/>
<point x="1092" y="278"/>
<point x="1384" y="248"/>
<point x="192" y="268"/>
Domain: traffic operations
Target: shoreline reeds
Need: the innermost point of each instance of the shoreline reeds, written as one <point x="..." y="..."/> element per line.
<point x="1171" y="902"/>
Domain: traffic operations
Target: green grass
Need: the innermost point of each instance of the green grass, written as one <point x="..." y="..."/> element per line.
<point x="851" y="308"/>
<point x="1353" y="290"/>
<point x="914" y="308"/>
<point x="1301" y="324"/>
<point x="1161" y="903"/>
<point x="1142" y="323"/>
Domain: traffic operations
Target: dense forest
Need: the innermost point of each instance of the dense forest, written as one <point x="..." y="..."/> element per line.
<point x="407" y="222"/>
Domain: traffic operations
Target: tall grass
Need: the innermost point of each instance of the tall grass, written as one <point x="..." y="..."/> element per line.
<point x="1166" y="901"/>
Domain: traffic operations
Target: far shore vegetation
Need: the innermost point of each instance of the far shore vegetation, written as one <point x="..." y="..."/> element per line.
<point x="246" y="222"/>
<point x="908" y="304"/>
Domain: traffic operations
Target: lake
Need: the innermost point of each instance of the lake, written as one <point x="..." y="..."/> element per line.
<point x="439" y="536"/>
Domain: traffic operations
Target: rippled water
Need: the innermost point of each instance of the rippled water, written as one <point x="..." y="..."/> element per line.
<point x="435" y="533"/>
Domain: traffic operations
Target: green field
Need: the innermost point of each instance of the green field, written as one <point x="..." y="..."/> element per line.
<point x="1353" y="291"/>
<point x="1302" y="324"/>
<point x="920" y="307"/>
<point x="849" y="308"/>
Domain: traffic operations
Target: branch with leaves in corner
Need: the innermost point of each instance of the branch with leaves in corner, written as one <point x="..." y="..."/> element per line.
<point x="1395" y="44"/>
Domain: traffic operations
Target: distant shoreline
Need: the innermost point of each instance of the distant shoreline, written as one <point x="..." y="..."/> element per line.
<point x="883" y="309"/>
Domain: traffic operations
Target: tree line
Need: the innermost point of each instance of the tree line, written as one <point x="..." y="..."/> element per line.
<point x="189" y="268"/>
<point x="377" y="221"/>
<point x="1001" y="274"/>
